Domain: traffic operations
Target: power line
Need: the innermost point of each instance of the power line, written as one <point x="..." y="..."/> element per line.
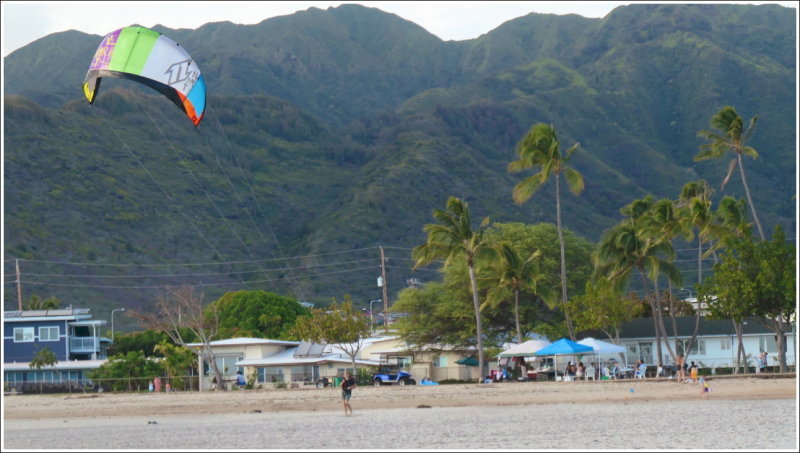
<point x="196" y="284"/>
<point x="207" y="274"/>
<point x="213" y="263"/>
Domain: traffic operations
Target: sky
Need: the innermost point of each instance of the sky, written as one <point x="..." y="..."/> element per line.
<point x="27" y="21"/>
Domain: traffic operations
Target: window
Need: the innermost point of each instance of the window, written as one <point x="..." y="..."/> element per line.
<point x="23" y="335"/>
<point x="403" y="362"/>
<point x="440" y="361"/>
<point x="725" y="344"/>
<point x="48" y="333"/>
<point x="767" y="344"/>
<point x="698" y="347"/>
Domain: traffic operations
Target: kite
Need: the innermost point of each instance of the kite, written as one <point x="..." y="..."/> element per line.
<point x="150" y="58"/>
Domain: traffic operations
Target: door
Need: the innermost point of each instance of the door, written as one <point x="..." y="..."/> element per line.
<point x="646" y="352"/>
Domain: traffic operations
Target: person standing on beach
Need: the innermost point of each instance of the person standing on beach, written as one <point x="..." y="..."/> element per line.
<point x="703" y="387"/>
<point x="681" y="368"/>
<point x="348" y="383"/>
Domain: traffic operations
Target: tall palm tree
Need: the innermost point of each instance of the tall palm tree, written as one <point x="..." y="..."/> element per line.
<point x="511" y="274"/>
<point x="451" y="239"/>
<point x="540" y="149"/>
<point x="695" y="203"/>
<point x="633" y="245"/>
<point x="730" y="135"/>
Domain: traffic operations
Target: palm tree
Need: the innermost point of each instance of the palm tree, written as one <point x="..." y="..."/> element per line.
<point x="730" y="135"/>
<point x="695" y="202"/>
<point x="631" y="245"/>
<point x="540" y="149"/>
<point x="454" y="239"/>
<point x="510" y="273"/>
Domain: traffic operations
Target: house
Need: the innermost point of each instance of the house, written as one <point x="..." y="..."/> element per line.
<point x="70" y="333"/>
<point x="716" y="343"/>
<point x="273" y="362"/>
<point x="434" y="362"/>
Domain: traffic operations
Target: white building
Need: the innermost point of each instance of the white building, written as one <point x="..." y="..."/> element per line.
<point x="272" y="362"/>
<point x="716" y="343"/>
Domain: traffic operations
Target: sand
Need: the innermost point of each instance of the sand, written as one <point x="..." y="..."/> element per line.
<point x="739" y="413"/>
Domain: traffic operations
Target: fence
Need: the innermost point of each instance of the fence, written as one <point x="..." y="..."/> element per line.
<point x="129" y="384"/>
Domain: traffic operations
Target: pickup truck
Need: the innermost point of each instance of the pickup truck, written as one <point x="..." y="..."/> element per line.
<point x="392" y="376"/>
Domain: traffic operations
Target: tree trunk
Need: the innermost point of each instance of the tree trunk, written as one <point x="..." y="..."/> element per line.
<point x="781" y="351"/>
<point x="749" y="199"/>
<point x="663" y="329"/>
<point x="563" y="263"/>
<point x="212" y="360"/>
<point x="478" y="330"/>
<point x="740" y="353"/>
<point x="777" y="326"/>
<point x="516" y="315"/>
<point x="674" y="321"/>
<point x="655" y="314"/>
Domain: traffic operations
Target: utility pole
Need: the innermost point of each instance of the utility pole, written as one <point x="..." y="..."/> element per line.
<point x="385" y="298"/>
<point x="19" y="285"/>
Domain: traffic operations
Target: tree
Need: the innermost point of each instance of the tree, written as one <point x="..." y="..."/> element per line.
<point x="145" y="341"/>
<point x="435" y="314"/>
<point x="43" y="358"/>
<point x="730" y="135"/>
<point x="756" y="279"/>
<point x="37" y="303"/>
<point x="339" y="325"/>
<point x="177" y="361"/>
<point x="603" y="307"/>
<point x="258" y="314"/>
<point x="511" y="274"/>
<point x="179" y="308"/>
<point x="454" y="239"/>
<point x="120" y="369"/>
<point x="639" y="243"/>
<point x="540" y="149"/>
<point x="776" y="296"/>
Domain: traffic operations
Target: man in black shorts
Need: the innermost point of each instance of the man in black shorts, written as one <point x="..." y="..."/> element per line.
<point x="348" y="383"/>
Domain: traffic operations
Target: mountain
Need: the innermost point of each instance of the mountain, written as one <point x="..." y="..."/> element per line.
<point x="332" y="132"/>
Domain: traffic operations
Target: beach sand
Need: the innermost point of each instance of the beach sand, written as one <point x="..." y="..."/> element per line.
<point x="739" y="413"/>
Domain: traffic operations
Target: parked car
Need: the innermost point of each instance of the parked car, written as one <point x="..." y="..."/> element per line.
<point x="387" y="375"/>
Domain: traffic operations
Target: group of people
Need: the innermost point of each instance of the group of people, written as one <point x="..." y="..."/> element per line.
<point x="575" y="371"/>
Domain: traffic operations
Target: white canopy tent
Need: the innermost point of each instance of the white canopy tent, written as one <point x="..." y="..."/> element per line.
<point x="526" y="349"/>
<point x="604" y="348"/>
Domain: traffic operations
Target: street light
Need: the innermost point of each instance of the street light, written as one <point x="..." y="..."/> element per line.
<point x="687" y="289"/>
<point x="112" y="321"/>
<point x="371" y="321"/>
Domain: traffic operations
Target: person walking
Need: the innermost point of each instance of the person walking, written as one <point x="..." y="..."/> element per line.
<point x="348" y="383"/>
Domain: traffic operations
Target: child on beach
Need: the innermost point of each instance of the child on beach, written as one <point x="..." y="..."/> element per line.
<point x="703" y="387"/>
<point x="347" y="390"/>
<point x="693" y="371"/>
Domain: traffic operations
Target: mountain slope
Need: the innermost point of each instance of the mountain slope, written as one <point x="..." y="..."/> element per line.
<point x="339" y="130"/>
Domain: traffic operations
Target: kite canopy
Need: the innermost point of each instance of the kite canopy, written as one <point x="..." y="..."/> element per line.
<point x="150" y="58"/>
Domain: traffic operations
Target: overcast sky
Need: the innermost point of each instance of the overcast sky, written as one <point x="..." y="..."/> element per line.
<point x="27" y="21"/>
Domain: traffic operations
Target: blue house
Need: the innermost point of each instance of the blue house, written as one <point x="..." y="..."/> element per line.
<point x="70" y="333"/>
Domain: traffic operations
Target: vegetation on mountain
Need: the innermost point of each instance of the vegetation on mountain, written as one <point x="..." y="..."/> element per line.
<point x="329" y="132"/>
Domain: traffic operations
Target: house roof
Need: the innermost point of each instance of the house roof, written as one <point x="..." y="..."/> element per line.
<point x="644" y="328"/>
<point x="60" y="366"/>
<point x="287" y="357"/>
<point x="61" y="314"/>
<point x="245" y="341"/>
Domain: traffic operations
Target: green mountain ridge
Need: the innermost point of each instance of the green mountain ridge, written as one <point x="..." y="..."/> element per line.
<point x="340" y="130"/>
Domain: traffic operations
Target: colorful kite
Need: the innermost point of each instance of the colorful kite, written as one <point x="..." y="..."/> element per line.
<point x="151" y="58"/>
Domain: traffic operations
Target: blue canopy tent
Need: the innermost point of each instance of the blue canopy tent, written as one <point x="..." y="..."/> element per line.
<point x="564" y="346"/>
